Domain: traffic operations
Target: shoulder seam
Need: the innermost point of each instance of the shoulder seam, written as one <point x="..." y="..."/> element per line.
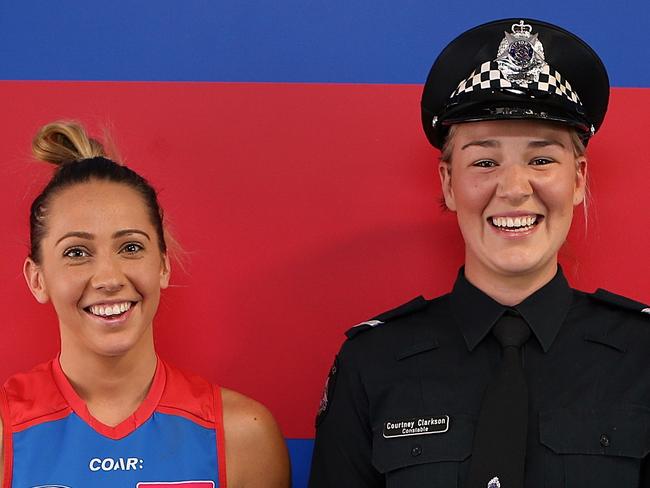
<point x="619" y="301"/>
<point x="408" y="308"/>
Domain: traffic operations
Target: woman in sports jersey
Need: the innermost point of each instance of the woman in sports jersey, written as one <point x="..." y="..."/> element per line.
<point x="107" y="412"/>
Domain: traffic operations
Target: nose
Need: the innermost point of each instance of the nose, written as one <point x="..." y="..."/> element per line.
<point x="108" y="275"/>
<point x="514" y="184"/>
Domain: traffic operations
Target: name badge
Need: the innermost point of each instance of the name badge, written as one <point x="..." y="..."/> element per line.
<point x="416" y="426"/>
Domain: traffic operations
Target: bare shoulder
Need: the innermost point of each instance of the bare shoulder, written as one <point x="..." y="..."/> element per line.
<point x="256" y="455"/>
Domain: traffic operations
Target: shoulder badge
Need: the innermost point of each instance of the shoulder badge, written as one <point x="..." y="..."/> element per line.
<point x="407" y="308"/>
<point x="620" y="301"/>
<point x="328" y="391"/>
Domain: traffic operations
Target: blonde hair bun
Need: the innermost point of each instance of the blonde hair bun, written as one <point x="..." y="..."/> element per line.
<point x="64" y="141"/>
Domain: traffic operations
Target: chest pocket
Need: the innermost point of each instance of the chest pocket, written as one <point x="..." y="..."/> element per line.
<point x="424" y="460"/>
<point x="595" y="448"/>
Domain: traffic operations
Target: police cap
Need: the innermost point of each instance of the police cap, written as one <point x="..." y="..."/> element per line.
<point x="515" y="69"/>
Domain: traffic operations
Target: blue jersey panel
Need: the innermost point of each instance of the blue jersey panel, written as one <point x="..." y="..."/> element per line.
<point x="68" y="452"/>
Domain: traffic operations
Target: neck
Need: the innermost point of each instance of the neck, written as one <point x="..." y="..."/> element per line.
<point x="116" y="384"/>
<point x="509" y="289"/>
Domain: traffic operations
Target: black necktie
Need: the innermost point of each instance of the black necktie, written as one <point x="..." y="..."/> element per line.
<point x="499" y="449"/>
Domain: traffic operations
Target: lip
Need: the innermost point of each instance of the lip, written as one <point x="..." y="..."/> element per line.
<point x="513" y="234"/>
<point x="514" y="214"/>
<point x="110" y="302"/>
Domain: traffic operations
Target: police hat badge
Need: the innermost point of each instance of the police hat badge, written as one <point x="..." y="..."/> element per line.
<point x="521" y="55"/>
<point x="515" y="69"/>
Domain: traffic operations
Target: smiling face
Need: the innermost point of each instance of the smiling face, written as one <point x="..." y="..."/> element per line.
<point x="101" y="267"/>
<point x="513" y="185"/>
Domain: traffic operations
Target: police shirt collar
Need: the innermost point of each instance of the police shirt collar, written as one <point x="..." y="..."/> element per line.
<point x="544" y="310"/>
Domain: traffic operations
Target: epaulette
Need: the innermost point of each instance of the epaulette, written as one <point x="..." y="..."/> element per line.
<point x="619" y="301"/>
<point x="407" y="308"/>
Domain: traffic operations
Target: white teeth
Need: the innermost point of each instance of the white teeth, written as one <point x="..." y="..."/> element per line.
<point x="109" y="310"/>
<point x="514" y="222"/>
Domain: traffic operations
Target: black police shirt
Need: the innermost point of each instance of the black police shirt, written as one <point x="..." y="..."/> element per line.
<point x="405" y="391"/>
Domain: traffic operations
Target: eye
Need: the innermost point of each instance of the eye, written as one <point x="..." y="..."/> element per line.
<point x="76" y="253"/>
<point x="132" y="248"/>
<point x="485" y="163"/>
<point x="541" y="161"/>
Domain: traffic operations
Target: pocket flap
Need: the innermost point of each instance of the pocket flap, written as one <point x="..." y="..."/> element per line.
<point x="621" y="431"/>
<point x="389" y="454"/>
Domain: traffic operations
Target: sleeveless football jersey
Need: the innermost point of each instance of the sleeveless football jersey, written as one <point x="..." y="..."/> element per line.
<point x="173" y="440"/>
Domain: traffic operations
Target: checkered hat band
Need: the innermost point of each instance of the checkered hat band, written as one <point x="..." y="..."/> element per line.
<point x="488" y="76"/>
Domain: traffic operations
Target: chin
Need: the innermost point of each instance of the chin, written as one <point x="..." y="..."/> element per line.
<point x="114" y="346"/>
<point x="112" y="351"/>
<point x="521" y="264"/>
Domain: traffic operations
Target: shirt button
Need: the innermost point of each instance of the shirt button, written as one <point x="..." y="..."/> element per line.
<point x="604" y="440"/>
<point x="416" y="451"/>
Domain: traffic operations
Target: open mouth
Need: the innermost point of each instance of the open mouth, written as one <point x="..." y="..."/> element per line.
<point x="110" y="311"/>
<point x="516" y="224"/>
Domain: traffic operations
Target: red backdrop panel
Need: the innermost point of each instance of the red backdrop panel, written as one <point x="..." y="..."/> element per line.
<point x="302" y="210"/>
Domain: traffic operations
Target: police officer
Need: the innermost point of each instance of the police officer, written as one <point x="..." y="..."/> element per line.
<point x="513" y="378"/>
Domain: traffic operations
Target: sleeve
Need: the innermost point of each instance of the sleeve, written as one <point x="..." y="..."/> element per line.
<point x="343" y="446"/>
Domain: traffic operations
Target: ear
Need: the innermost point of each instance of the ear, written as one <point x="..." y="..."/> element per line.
<point x="35" y="280"/>
<point x="444" y="170"/>
<point x="581" y="181"/>
<point x="165" y="271"/>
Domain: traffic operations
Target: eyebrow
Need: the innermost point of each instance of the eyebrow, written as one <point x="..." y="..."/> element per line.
<point x="495" y="143"/>
<point x="88" y="236"/>
<point x="481" y="143"/>
<point x="126" y="232"/>
<point x="546" y="143"/>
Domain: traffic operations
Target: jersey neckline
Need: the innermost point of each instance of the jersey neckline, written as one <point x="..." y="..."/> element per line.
<point x="129" y="424"/>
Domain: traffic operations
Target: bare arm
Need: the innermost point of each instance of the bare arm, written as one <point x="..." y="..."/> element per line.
<point x="256" y="455"/>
